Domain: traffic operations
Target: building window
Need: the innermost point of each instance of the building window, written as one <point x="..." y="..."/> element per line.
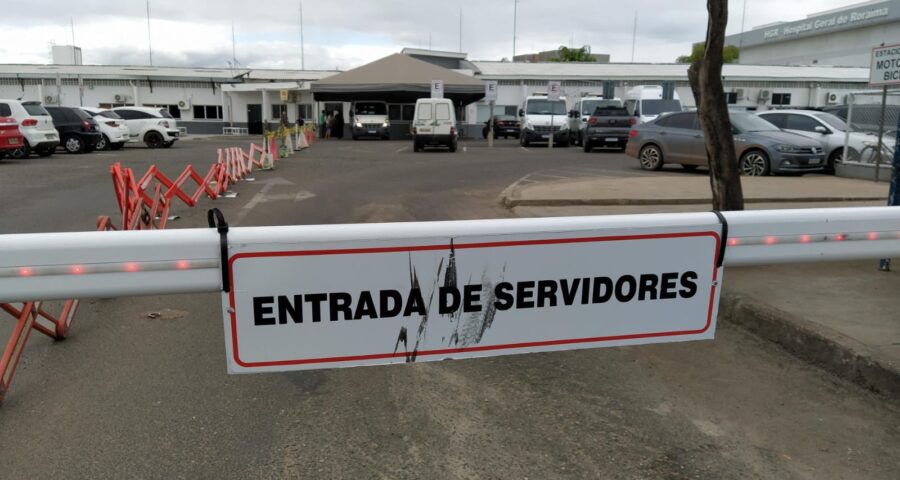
<point x="173" y="109"/>
<point x="305" y="111"/>
<point x="277" y="109"/>
<point x="731" y="98"/>
<point x="208" y="112"/>
<point x="781" y="99"/>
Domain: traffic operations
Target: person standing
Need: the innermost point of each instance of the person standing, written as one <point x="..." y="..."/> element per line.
<point x="322" y="124"/>
<point x="338" y="124"/>
<point x="329" y="122"/>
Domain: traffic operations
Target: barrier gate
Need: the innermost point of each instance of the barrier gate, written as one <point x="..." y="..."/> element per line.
<point x="301" y="297"/>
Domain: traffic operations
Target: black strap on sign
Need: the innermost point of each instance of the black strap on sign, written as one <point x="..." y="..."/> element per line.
<point x="217" y="220"/>
<point x="724" y="241"/>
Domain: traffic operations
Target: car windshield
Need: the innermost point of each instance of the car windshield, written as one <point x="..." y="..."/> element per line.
<point x="109" y="114"/>
<point x="746" y="122"/>
<point x="165" y="113"/>
<point x="371" y="108"/>
<point x="656" y="107"/>
<point x="545" y="107"/>
<point x="832" y="121"/>
<point x="35" y="109"/>
<point x="610" y="112"/>
<point x="589" y="106"/>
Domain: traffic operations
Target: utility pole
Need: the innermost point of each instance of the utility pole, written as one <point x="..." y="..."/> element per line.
<point x="302" y="52"/>
<point x="634" y="36"/>
<point x="149" y="44"/>
<point x="460" y="29"/>
<point x="743" y="22"/>
<point x="233" y="49"/>
<point x="515" y="24"/>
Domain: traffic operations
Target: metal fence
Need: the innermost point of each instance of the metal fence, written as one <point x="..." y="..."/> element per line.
<point x="870" y="114"/>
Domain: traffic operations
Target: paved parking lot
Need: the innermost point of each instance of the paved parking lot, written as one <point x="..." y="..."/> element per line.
<point x="128" y="393"/>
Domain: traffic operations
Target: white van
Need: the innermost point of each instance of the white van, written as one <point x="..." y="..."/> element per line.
<point x="434" y="124"/>
<point x="370" y="119"/>
<point x="582" y="110"/>
<point x="646" y="102"/>
<point x="540" y="117"/>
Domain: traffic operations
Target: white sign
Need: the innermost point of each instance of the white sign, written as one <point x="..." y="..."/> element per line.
<point x="490" y="90"/>
<point x="437" y="89"/>
<point x="885" y="68"/>
<point x="553" y="90"/>
<point x="351" y="302"/>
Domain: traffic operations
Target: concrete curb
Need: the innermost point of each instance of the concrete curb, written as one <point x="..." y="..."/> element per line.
<point x="510" y="202"/>
<point x="813" y="343"/>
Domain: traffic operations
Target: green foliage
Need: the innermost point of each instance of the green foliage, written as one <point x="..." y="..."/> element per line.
<point x="567" y="54"/>
<point x="730" y="54"/>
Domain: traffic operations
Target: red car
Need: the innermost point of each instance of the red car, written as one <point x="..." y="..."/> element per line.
<point x="10" y="137"/>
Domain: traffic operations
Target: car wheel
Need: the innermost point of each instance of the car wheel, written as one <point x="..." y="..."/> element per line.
<point x="836" y="157"/>
<point x="452" y="147"/>
<point x="689" y="168"/>
<point x="116" y="146"/>
<point x="586" y="146"/>
<point x="153" y="139"/>
<point x="651" y="157"/>
<point x="45" y="152"/>
<point x="21" y="152"/>
<point x="103" y="143"/>
<point x="73" y="144"/>
<point x="169" y="144"/>
<point x="754" y="163"/>
<point x="417" y="147"/>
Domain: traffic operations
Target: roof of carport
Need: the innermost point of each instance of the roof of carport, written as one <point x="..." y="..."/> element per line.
<point x="396" y="78"/>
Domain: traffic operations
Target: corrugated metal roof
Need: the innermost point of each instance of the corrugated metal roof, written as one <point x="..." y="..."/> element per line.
<point x="157" y="73"/>
<point x="667" y="71"/>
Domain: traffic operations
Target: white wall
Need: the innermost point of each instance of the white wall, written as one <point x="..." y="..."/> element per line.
<point x="850" y="48"/>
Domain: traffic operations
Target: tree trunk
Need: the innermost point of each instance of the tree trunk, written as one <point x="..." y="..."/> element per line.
<point x="705" y="77"/>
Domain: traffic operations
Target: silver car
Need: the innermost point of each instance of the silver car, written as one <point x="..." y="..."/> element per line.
<point x="762" y="148"/>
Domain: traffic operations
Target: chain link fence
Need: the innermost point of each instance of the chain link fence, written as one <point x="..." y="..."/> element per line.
<point x="865" y="115"/>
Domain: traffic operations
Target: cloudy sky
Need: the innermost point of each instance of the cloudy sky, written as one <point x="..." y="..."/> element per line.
<point x="347" y="33"/>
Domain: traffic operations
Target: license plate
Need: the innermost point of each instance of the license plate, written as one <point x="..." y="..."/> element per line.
<point x="546" y="135"/>
<point x="815" y="161"/>
<point x="611" y="139"/>
<point x="371" y="132"/>
<point x="424" y="130"/>
<point x="51" y="136"/>
<point x="13" y="141"/>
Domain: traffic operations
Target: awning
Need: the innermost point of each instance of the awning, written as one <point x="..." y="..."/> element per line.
<point x="397" y="78"/>
<point x="267" y="86"/>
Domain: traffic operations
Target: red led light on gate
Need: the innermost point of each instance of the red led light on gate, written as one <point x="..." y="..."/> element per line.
<point x="873" y="235"/>
<point x="733" y="242"/>
<point x="76" y="269"/>
<point x="840" y="237"/>
<point x="804" y="238"/>
<point x="182" y="264"/>
<point x="132" y="267"/>
<point x="770" y="240"/>
<point x="26" y="271"/>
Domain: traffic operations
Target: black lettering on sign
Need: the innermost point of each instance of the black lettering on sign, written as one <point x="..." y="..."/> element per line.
<point x="667" y="288"/>
<point x="285" y="308"/>
<point x="365" y="306"/>
<point x="569" y="289"/>
<point x="262" y="307"/>
<point x="472" y="298"/>
<point x="524" y="292"/>
<point x="415" y="303"/>
<point x="626" y="287"/>
<point x="448" y="300"/>
<point x="503" y="293"/>
<point x="391" y="303"/>
<point x="606" y="284"/>
<point x="688" y="284"/>
<point x="315" y="300"/>
<point x="648" y="287"/>
<point x="546" y="293"/>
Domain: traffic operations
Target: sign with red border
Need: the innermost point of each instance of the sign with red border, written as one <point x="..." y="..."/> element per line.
<point x="885" y="66"/>
<point x="354" y="303"/>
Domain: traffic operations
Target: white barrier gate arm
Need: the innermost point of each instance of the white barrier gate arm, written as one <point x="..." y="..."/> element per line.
<point x="294" y="284"/>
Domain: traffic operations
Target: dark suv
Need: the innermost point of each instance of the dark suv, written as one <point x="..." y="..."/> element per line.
<point x="78" y="132"/>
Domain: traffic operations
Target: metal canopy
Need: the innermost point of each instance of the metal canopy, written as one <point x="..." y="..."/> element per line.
<point x="397" y="78"/>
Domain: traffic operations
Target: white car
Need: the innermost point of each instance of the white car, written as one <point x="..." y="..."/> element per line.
<point x="153" y="126"/>
<point x="36" y="126"/>
<point x="830" y="130"/>
<point x="114" y="132"/>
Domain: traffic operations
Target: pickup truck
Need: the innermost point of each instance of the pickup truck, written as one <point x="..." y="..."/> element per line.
<point x="608" y="127"/>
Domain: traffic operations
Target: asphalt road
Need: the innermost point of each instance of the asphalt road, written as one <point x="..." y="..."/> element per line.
<point x="132" y="396"/>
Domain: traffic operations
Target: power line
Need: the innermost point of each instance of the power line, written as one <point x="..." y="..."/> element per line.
<point x="302" y="48"/>
<point x="149" y="44"/>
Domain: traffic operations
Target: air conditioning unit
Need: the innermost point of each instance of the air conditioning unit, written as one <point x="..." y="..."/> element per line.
<point x="764" y="94"/>
<point x="832" y="98"/>
<point x="121" y="98"/>
<point x="51" y="99"/>
<point x="184" y="104"/>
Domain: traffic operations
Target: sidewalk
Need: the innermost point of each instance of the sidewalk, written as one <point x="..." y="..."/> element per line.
<point x="842" y="316"/>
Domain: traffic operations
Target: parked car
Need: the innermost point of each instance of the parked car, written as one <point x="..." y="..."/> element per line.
<point x="866" y="117"/>
<point x="434" y="124"/>
<point x="35" y="125"/>
<point x="608" y="127"/>
<point x="370" y="119"/>
<point x="646" y="102"/>
<point x="828" y="129"/>
<point x="113" y="131"/>
<point x="504" y="126"/>
<point x="582" y="110"/>
<point x="78" y="131"/>
<point x="10" y="136"/>
<point x="155" y="127"/>
<point x="762" y="148"/>
<point x="541" y="117"/>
